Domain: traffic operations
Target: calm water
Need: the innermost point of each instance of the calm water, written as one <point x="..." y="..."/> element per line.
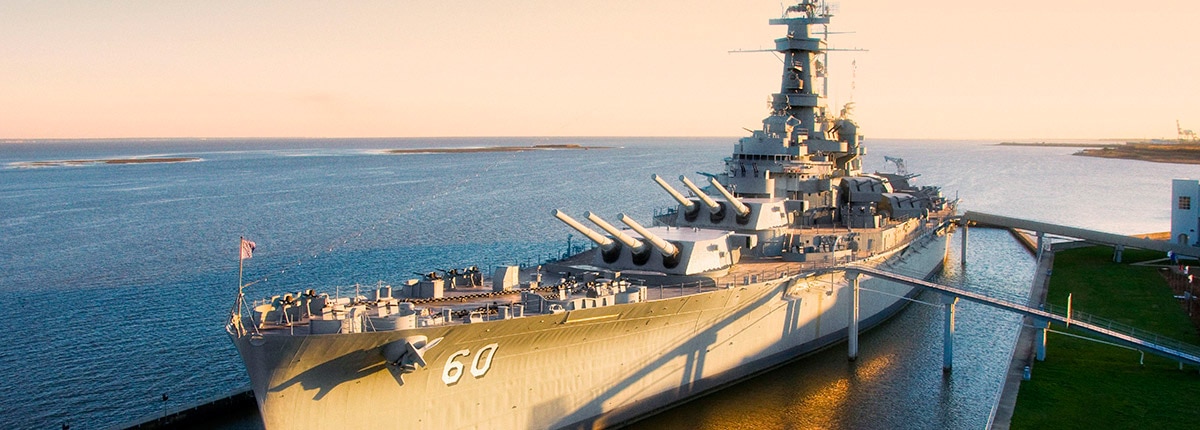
<point x="118" y="278"/>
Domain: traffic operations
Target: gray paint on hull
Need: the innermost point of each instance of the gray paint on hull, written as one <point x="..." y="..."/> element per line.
<point x="546" y="366"/>
<point x="663" y="401"/>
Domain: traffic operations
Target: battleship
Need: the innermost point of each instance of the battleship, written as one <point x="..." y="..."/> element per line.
<point x="740" y="276"/>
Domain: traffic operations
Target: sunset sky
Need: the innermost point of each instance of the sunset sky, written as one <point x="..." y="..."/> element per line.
<point x="1054" y="69"/>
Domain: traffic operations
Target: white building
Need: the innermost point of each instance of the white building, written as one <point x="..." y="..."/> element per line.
<point x="1185" y="211"/>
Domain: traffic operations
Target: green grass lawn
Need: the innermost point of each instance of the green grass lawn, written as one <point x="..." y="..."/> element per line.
<point x="1089" y="385"/>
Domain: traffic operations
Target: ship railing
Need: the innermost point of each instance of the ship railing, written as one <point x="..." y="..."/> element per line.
<point x="685" y="288"/>
<point x="1125" y="329"/>
<point x="688" y="288"/>
<point x="544" y="259"/>
<point x="664" y="217"/>
<point x="920" y="237"/>
<point x="743" y="279"/>
<point x="667" y="211"/>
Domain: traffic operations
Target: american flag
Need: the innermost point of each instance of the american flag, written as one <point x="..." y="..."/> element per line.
<point x="247" y="249"/>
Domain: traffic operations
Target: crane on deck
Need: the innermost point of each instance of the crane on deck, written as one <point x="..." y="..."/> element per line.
<point x="900" y="168"/>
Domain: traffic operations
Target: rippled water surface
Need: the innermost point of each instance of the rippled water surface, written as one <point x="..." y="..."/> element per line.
<point x="119" y="278"/>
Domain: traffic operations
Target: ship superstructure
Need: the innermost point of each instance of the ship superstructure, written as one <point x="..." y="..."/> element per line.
<point x="801" y="145"/>
<point x="717" y="288"/>
<point x="793" y="188"/>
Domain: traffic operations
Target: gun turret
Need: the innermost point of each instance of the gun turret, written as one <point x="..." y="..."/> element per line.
<point x="741" y="209"/>
<point x="667" y="249"/>
<point x="634" y="244"/>
<point x="605" y="243"/>
<point x="713" y="206"/>
<point x="688" y="205"/>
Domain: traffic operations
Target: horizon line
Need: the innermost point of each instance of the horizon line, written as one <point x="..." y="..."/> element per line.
<point x="177" y="138"/>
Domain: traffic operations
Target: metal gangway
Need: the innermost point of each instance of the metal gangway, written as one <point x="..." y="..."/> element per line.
<point x="1117" y="241"/>
<point x="1140" y="340"/>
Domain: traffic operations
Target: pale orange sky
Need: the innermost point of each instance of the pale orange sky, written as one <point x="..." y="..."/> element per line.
<point x="936" y="69"/>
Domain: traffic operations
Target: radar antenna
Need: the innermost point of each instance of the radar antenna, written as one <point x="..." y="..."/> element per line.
<point x="848" y="110"/>
<point x="807" y="7"/>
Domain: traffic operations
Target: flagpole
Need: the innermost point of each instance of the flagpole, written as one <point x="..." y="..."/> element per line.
<point x="241" y="259"/>
<point x="237" y="306"/>
<point x="245" y="250"/>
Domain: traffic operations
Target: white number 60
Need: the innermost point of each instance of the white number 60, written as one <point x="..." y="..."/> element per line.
<point x="480" y="365"/>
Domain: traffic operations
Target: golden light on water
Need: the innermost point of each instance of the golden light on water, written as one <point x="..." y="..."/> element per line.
<point x="824" y="408"/>
<point x="874" y="367"/>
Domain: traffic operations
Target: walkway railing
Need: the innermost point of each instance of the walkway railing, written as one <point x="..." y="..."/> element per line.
<point x="1150" y="342"/>
<point x="1122" y="328"/>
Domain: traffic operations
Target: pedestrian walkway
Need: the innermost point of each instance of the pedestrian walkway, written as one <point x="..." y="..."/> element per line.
<point x="1093" y="236"/>
<point x="1154" y="344"/>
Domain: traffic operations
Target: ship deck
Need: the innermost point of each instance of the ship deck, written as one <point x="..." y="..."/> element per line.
<point x="577" y="273"/>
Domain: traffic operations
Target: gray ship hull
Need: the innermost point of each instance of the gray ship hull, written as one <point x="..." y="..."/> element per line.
<point x="585" y="368"/>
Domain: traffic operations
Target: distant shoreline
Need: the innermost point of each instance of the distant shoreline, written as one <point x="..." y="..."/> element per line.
<point x="1176" y="153"/>
<point x="60" y="163"/>
<point x="493" y="149"/>
<point x="1059" y="145"/>
<point x="1155" y="151"/>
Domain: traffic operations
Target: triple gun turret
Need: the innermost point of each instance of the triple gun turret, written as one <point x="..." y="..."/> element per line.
<point x="706" y="248"/>
<point x="610" y="249"/>
<point x="716" y="209"/>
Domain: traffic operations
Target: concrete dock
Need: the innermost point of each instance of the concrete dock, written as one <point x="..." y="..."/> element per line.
<point x="206" y="414"/>
<point x="1023" y="352"/>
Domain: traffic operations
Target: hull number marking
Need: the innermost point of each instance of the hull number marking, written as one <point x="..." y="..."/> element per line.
<point x="480" y="365"/>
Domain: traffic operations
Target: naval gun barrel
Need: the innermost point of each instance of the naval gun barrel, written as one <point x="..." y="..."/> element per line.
<point x="604" y="242"/>
<point x="626" y="239"/>
<point x="742" y="209"/>
<point x="688" y="205"/>
<point x="712" y="204"/>
<point x="666" y="248"/>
